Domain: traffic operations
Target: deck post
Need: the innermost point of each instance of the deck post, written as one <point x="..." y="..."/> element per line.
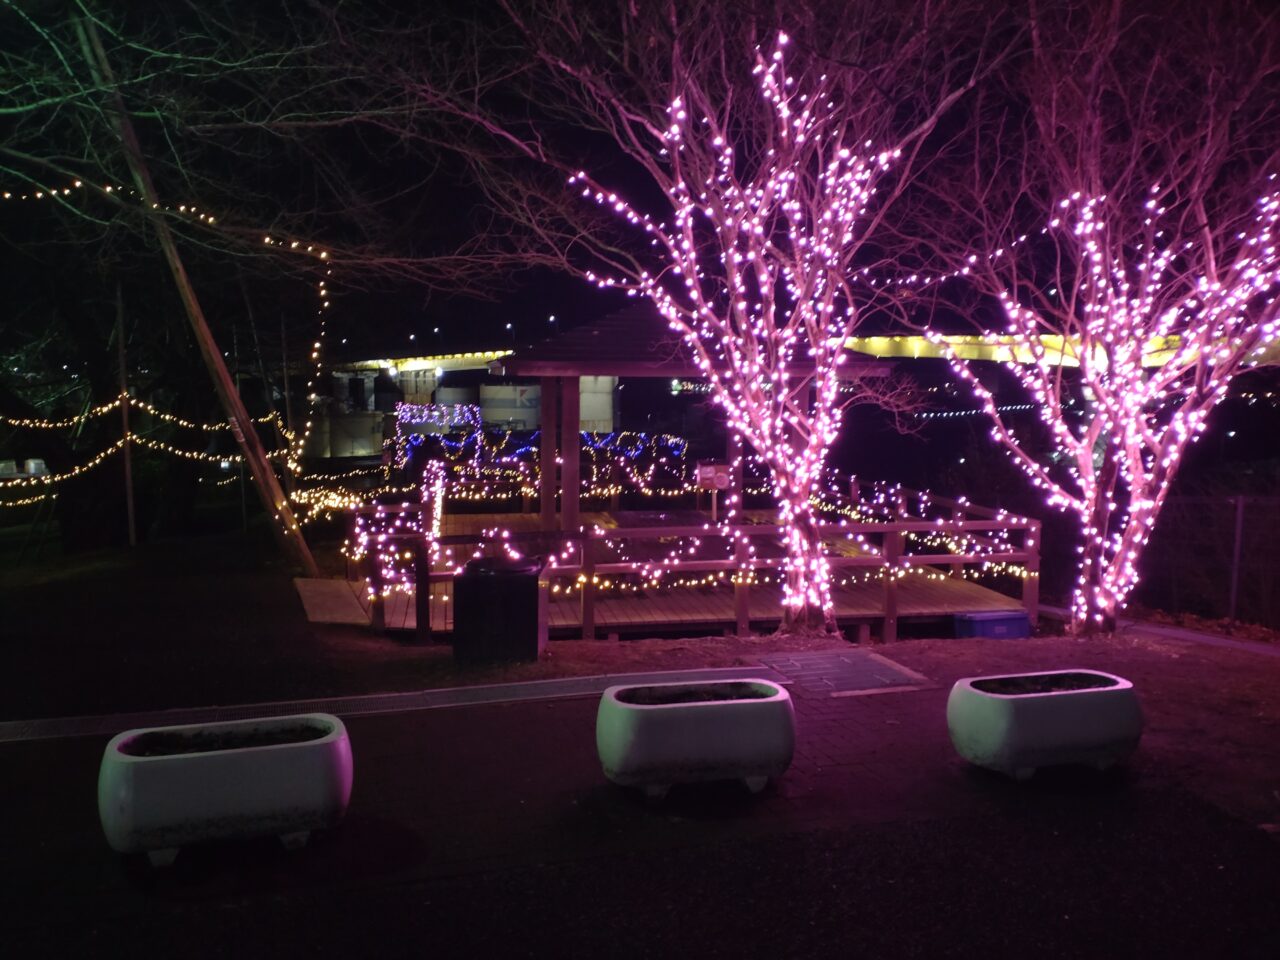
<point x="570" y="453"/>
<point x="741" y="588"/>
<point x="957" y="513"/>
<point x="547" y="472"/>
<point x="377" y="603"/>
<point x="422" y="590"/>
<point x="1031" y="582"/>
<point x="892" y="555"/>
<point x="422" y="574"/>
<point x="855" y="490"/>
<point x="588" y="595"/>
<point x="353" y="566"/>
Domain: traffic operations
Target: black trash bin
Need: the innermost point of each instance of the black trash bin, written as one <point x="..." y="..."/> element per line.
<point x="500" y="611"/>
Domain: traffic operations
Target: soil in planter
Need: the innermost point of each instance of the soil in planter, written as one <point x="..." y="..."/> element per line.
<point x="1049" y="683"/>
<point x="714" y="692"/>
<point x="163" y="743"/>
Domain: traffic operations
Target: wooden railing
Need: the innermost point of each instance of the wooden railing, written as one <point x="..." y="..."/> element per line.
<point x="587" y="545"/>
<point x="891" y="557"/>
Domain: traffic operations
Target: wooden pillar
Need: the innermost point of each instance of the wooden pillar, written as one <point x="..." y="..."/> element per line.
<point x="570" y="453"/>
<point x="548" y="475"/>
<point x="422" y="588"/>
<point x="892" y="554"/>
<point x="957" y="569"/>
<point x="741" y="589"/>
<point x="615" y="485"/>
<point x="377" y="603"/>
<point x="588" y="594"/>
<point x="1031" y="583"/>
<point x="422" y="573"/>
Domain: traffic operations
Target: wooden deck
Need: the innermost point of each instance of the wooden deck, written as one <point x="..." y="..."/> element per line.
<point x="615" y="542"/>
<point x="712" y="607"/>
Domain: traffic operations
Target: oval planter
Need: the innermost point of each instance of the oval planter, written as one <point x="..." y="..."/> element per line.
<point x="162" y="788"/>
<point x="656" y="735"/>
<point x="1017" y="723"/>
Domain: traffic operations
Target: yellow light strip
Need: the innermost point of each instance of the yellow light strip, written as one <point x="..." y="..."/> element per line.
<point x="28" y="501"/>
<point x="1013" y="349"/>
<point x="50" y="479"/>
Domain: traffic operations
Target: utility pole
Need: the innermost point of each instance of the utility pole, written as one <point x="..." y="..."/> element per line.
<point x="284" y="525"/>
<point x="124" y="416"/>
<point x="284" y="374"/>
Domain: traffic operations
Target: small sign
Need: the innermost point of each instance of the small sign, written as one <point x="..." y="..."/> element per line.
<point x="713" y="476"/>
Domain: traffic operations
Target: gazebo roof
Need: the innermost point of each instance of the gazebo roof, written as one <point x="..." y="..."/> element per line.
<point x="632" y="342"/>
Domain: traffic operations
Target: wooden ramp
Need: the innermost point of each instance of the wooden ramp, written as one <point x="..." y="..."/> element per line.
<point x="331" y="601"/>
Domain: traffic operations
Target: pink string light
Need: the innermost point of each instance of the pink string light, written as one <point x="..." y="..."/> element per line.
<point x="1115" y="455"/>
<point x="757" y="258"/>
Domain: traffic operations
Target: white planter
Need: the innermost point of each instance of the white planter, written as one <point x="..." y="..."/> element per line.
<point x="163" y="788"/>
<point x="1004" y="723"/>
<point x="654" y="735"/>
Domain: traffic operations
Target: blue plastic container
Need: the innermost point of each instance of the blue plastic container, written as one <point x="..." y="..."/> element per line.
<point x="997" y="624"/>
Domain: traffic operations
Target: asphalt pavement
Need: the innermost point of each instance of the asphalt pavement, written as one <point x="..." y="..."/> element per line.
<point x="488" y="830"/>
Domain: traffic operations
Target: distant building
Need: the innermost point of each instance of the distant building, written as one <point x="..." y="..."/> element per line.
<point x="355" y="411"/>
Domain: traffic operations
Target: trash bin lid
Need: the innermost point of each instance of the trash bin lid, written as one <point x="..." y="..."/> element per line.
<point x="502" y="566"/>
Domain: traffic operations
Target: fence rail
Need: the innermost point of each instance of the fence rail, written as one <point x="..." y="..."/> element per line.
<point x="1217" y="557"/>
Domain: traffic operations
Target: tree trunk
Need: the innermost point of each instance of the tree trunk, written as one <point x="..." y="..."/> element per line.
<point x="806" y="596"/>
<point x="1094" y="607"/>
<point x="1095" y="604"/>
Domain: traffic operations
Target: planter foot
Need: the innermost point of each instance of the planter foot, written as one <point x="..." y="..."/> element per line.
<point x="755" y="784"/>
<point x="296" y="840"/>
<point x="1024" y="773"/>
<point x="656" y="791"/>
<point x="162" y="858"/>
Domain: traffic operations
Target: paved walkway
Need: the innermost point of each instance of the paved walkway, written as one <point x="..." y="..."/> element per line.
<point x="1182" y="634"/>
<point x="488" y="831"/>
<point x="360" y="706"/>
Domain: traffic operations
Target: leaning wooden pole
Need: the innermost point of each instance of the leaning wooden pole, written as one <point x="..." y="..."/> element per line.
<point x="284" y="525"/>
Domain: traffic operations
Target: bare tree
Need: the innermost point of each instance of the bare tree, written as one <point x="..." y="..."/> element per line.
<point x="1118" y="207"/>
<point x="734" y="164"/>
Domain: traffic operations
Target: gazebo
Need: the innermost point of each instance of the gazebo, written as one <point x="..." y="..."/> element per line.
<point x="729" y="584"/>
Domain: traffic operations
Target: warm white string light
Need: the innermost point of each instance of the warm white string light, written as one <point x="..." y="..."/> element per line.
<point x="296" y="440"/>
